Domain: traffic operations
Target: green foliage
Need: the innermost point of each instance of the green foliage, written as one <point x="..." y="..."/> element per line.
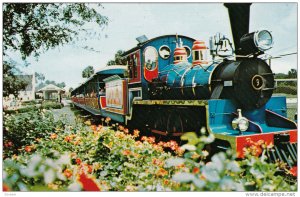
<point x="118" y="161"/>
<point x="130" y="165"/>
<point x="259" y="175"/>
<point x="51" y="105"/>
<point x="88" y="72"/>
<point x="119" y="59"/>
<point x="47" y="82"/>
<point x="28" y="108"/>
<point x="196" y="174"/>
<point x="285" y="89"/>
<point x="25" y="128"/>
<point x="39" y="77"/>
<point x="292" y="73"/>
<point x="33" y="28"/>
<point x="36" y="27"/>
<point x="24" y="103"/>
<point x="34" y="172"/>
<point x="31" y="106"/>
<point x="12" y="84"/>
<point x="223" y="172"/>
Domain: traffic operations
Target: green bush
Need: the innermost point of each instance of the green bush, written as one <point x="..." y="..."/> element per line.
<point x="118" y="161"/>
<point x="286" y="90"/>
<point x="22" y="110"/>
<point x="51" y="105"/>
<point x="130" y="165"/>
<point x="224" y="173"/>
<point x="22" y="129"/>
<point x="28" y="108"/>
<point x="29" y="103"/>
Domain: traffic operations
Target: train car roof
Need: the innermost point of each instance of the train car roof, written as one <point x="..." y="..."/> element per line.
<point x="140" y="45"/>
<point x="113" y="69"/>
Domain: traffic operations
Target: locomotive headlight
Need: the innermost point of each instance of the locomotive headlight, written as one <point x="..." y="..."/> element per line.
<point x="241" y="123"/>
<point x="263" y="40"/>
<point x="258" y="41"/>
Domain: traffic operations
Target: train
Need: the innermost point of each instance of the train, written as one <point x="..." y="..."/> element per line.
<point x="174" y="84"/>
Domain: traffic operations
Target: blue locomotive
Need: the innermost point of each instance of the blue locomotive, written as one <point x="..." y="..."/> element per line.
<point x="169" y="86"/>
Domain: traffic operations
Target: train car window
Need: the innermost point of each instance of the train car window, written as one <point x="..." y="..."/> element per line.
<point x="196" y="55"/>
<point x="134" y="58"/>
<point x="150" y="58"/>
<point x="132" y="65"/>
<point x="188" y="51"/>
<point x="178" y="58"/>
<point x="164" y="52"/>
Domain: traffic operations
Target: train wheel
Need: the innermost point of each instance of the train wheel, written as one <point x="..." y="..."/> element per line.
<point x="159" y="128"/>
<point x="175" y="124"/>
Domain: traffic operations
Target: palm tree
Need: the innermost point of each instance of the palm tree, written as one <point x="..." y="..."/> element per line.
<point x="87" y="72"/>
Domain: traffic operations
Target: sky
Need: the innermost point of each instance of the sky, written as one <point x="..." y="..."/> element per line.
<point x="197" y="20"/>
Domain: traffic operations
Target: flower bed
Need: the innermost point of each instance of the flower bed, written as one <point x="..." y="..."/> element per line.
<point x="98" y="158"/>
<point x="34" y="107"/>
<point x="21" y="130"/>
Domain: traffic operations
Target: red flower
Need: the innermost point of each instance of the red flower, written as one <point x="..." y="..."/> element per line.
<point x="196" y="170"/>
<point x="166" y="182"/>
<point x="144" y="138"/>
<point x="136" y="133"/>
<point x="126" y="131"/>
<point x="67" y="139"/>
<point x="78" y="161"/>
<point x="27" y="149"/>
<point x="68" y="173"/>
<point x="126" y="152"/>
<point x="53" y="136"/>
<point x="93" y="127"/>
<point x="107" y="119"/>
<point x="157" y="162"/>
<point x="161" y="172"/>
<point x="151" y="140"/>
<point x="293" y="171"/>
<point x="10" y="144"/>
<point x="90" y="169"/>
<point x="88" y="184"/>
<point x="99" y="127"/>
<point x="5" y="188"/>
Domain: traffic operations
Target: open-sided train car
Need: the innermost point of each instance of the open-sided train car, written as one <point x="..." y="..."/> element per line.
<point x="169" y="86"/>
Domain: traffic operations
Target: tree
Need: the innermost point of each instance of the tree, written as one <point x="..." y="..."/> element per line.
<point x="61" y="85"/>
<point x="12" y="84"/>
<point x="47" y="82"/>
<point x="280" y="76"/>
<point x="119" y="59"/>
<point x="36" y="27"/>
<point x="33" y="28"/>
<point x="292" y="73"/>
<point x="87" y="72"/>
<point x="39" y="77"/>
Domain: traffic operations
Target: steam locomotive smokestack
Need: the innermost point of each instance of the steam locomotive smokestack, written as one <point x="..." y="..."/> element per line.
<point x="239" y="14"/>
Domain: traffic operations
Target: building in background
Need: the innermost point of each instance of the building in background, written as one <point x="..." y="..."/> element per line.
<point x="29" y="93"/>
<point x="51" y="92"/>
